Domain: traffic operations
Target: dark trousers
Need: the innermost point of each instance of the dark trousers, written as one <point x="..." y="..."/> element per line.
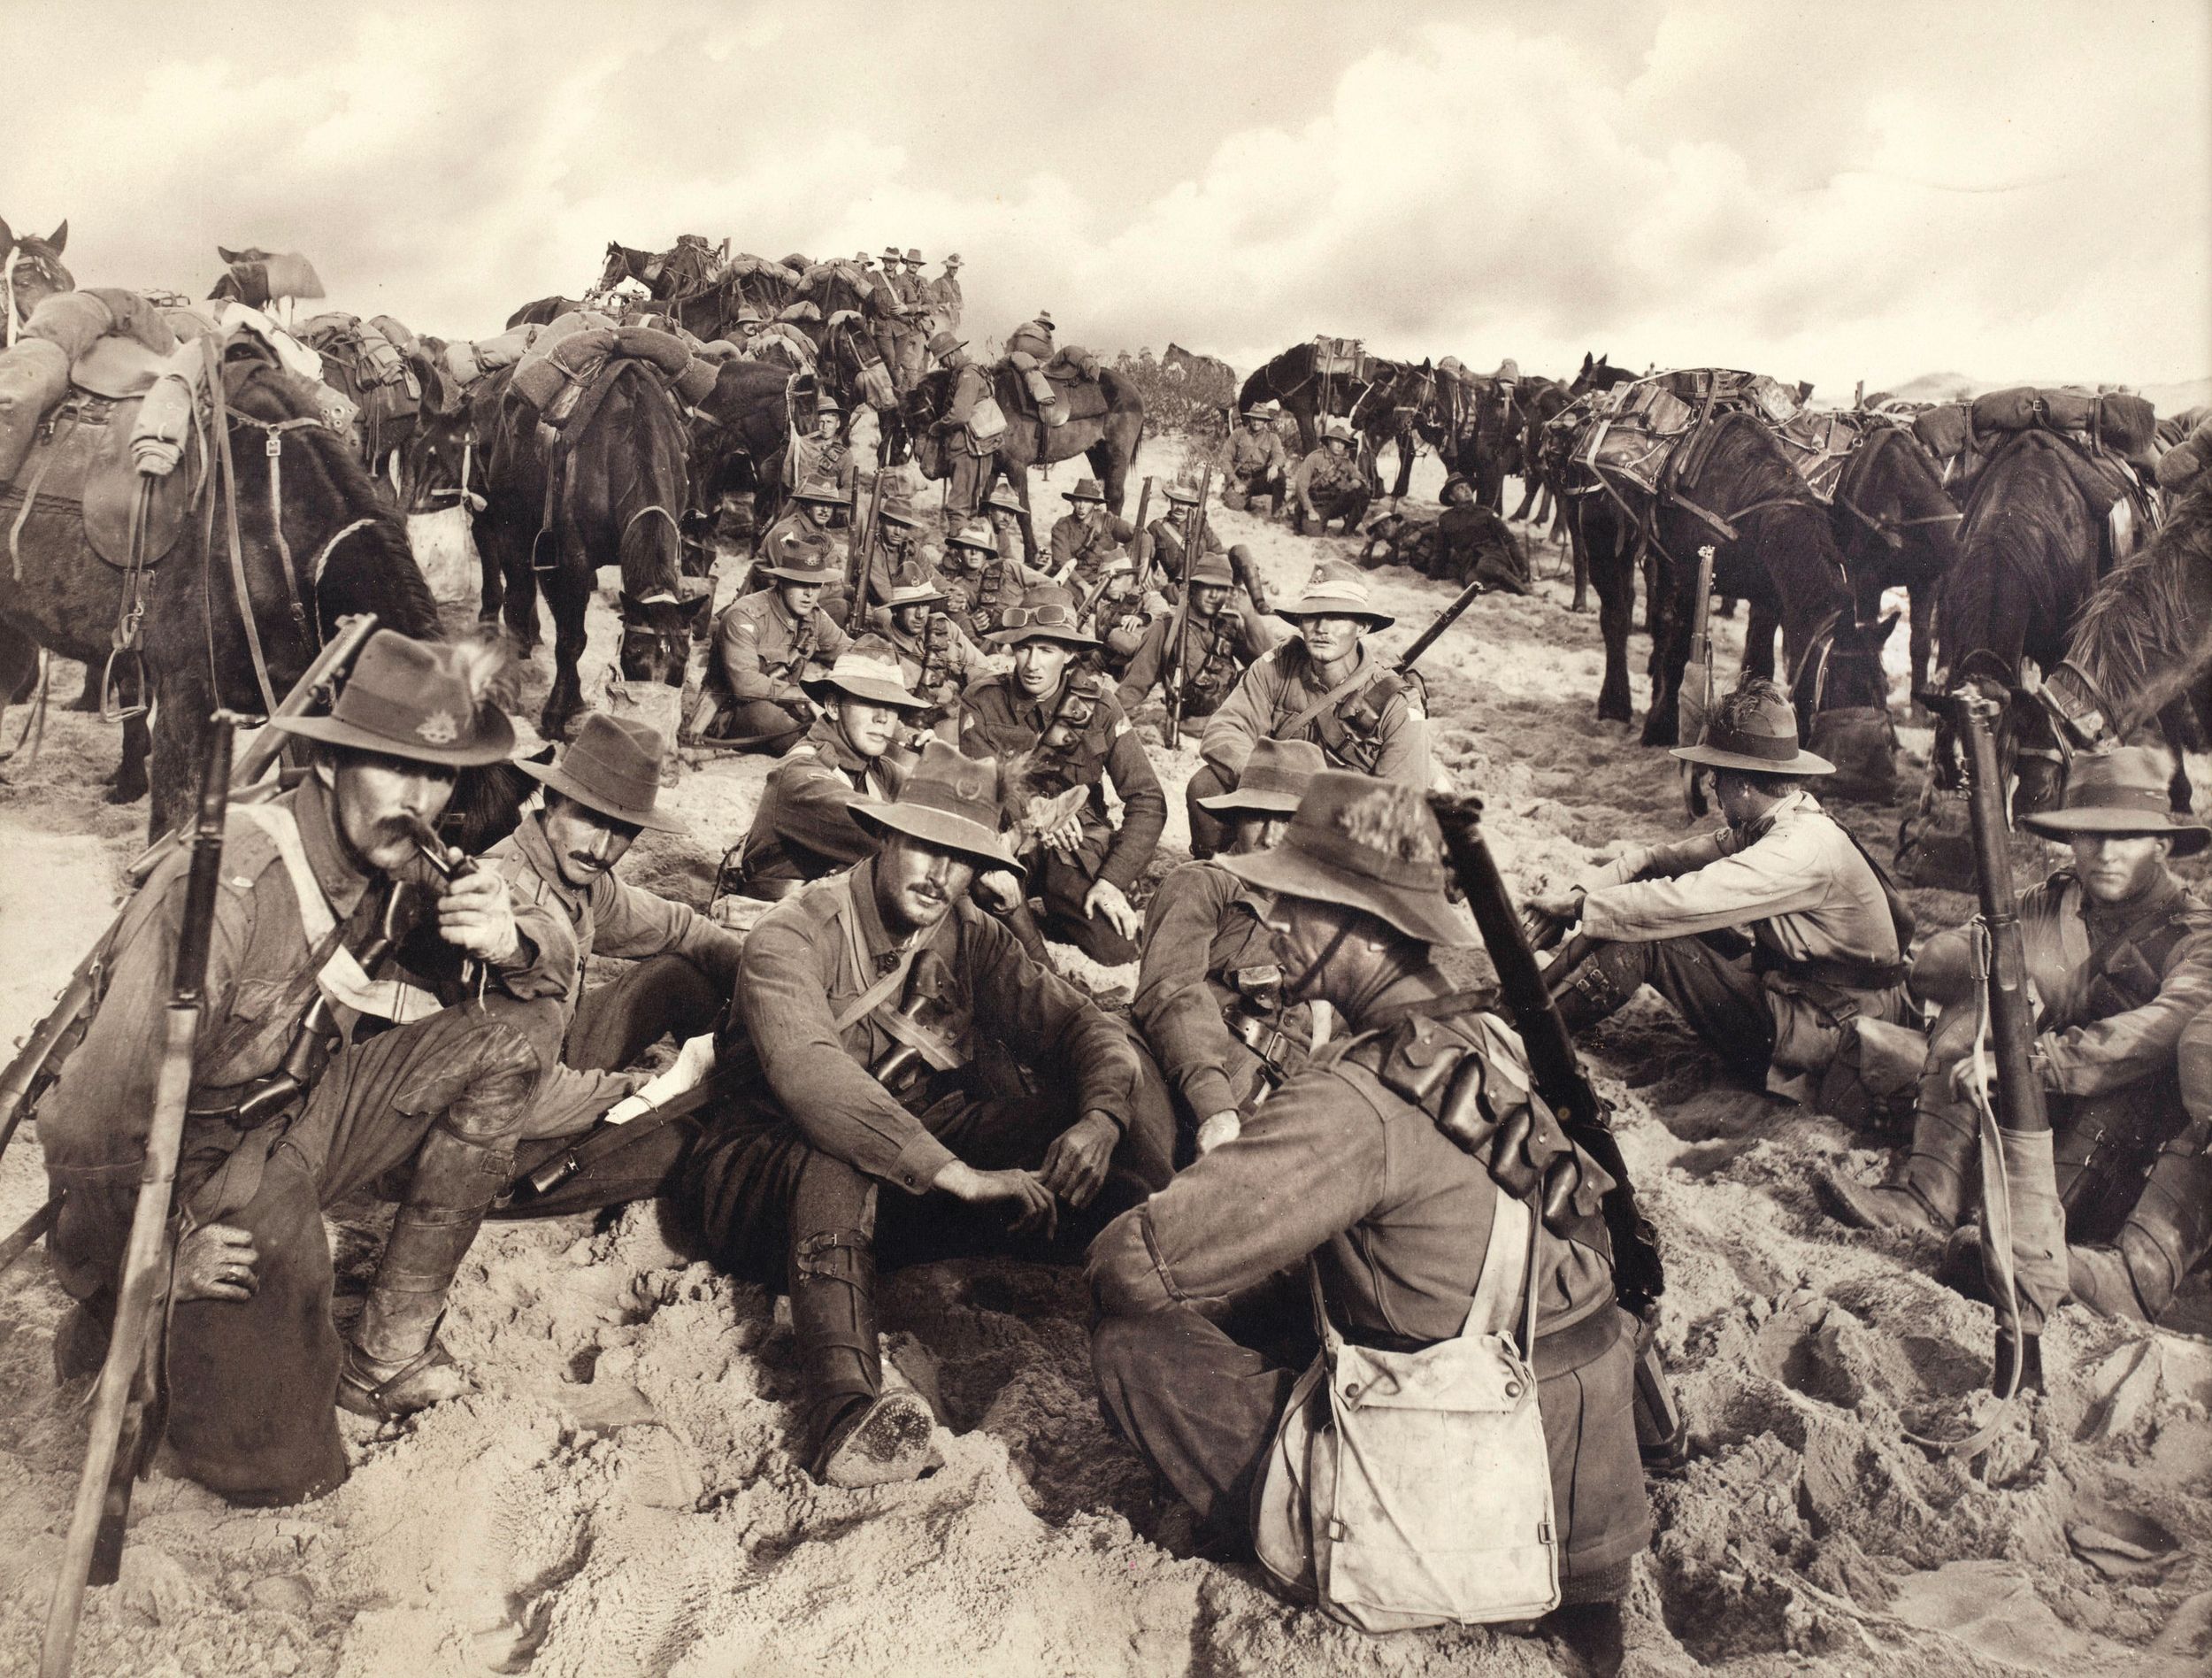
<point x="1207" y="832"/>
<point x="665" y="995"/>
<point x="763" y="725"/>
<point x="1201" y="1404"/>
<point x="253" y="1383"/>
<point x="1720" y="997"/>
<point x="964" y="474"/>
<point x="1347" y="504"/>
<point x="1061" y="885"/>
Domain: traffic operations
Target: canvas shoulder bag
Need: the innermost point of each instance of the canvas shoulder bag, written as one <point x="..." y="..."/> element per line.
<point x="1414" y="1489"/>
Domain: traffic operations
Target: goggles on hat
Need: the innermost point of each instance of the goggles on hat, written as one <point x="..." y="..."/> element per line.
<point x="1052" y="617"/>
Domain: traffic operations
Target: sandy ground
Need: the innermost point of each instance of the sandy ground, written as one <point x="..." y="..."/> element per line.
<point x="622" y="1497"/>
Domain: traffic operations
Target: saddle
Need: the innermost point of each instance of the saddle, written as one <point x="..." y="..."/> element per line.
<point x="1068" y="386"/>
<point x="81" y="471"/>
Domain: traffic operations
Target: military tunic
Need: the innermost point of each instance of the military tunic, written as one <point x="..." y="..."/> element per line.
<point x="1078" y="549"/>
<point x="803" y="828"/>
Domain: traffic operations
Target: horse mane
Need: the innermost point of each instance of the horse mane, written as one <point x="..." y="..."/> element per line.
<point x="2019" y="577"/>
<point x="373" y="569"/>
<point x="2146" y="632"/>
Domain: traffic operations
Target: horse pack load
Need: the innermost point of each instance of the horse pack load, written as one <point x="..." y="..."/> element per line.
<point x="1636" y="438"/>
<point x="1064" y="387"/>
<point x="1963" y="435"/>
<point x="552" y="374"/>
<point x="2182" y="463"/>
<point x="466" y="362"/>
<point x="372" y="357"/>
<point x="104" y="343"/>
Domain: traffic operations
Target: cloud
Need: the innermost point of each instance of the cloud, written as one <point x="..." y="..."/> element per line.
<point x="1822" y="192"/>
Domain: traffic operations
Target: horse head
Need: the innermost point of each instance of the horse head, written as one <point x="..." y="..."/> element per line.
<point x="31" y="271"/>
<point x="1891" y="487"/>
<point x="622" y="263"/>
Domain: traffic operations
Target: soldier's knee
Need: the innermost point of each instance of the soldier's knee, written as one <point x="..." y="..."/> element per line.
<point x="541" y="1022"/>
<point x="481" y="1084"/>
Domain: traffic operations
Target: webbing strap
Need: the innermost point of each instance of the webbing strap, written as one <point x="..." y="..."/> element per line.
<point x="229" y="495"/>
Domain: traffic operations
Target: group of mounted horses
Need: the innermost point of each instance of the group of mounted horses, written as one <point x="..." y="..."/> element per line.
<point x="2012" y="565"/>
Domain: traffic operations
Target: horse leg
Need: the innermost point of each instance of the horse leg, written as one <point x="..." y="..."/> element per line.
<point x="1528" y="498"/>
<point x="1105" y="460"/>
<point x="131" y="782"/>
<point x="1758" y="641"/>
<point x="490" y="564"/>
<point x="1581" y="602"/>
<point x="1670" y="654"/>
<point x="172" y="754"/>
<point x="1018" y="476"/>
<point x="2176" y="723"/>
<point x="567" y="593"/>
<point x="1407" y="449"/>
<point x="1923" y="640"/>
<point x="1616" y="586"/>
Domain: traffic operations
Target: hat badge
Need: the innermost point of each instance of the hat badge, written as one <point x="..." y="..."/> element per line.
<point x="970" y="786"/>
<point x="439" y="728"/>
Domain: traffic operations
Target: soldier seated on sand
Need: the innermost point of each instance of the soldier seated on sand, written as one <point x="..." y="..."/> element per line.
<point x="1345" y="1175"/>
<point x="2118" y="953"/>
<point x="1081" y="541"/>
<point x="318" y="886"/>
<point x="1259" y="470"/>
<point x="1060" y="720"/>
<point x="1827" y="932"/>
<point x="908" y="1056"/>
<point x="1223" y="635"/>
<point x="1473" y="543"/>
<point x="753" y="697"/>
<point x="1210" y="994"/>
<point x="807" y="521"/>
<point x="1330" y="483"/>
<point x="803" y="827"/>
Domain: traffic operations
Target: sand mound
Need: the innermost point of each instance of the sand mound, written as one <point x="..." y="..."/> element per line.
<point x="623" y="1496"/>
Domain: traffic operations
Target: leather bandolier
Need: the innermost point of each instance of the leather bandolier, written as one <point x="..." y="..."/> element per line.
<point x="1209" y="684"/>
<point x="1350" y="733"/>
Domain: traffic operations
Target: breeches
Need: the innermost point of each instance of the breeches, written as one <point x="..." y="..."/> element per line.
<point x="614" y="1024"/>
<point x="253" y="1383"/>
<point x="1719" y="997"/>
<point x="1201" y="1403"/>
<point x="768" y="727"/>
<point x="1207" y="832"/>
<point x="743" y="1181"/>
<point x="1061" y="883"/>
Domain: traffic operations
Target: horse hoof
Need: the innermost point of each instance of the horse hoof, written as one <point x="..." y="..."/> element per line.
<point x="119" y="794"/>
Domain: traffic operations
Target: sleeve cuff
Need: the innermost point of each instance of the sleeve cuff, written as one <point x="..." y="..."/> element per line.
<point x="1207" y="1093"/>
<point x="918" y="1164"/>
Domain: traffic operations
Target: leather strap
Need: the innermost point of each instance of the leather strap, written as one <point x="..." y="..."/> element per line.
<point x="228" y="493"/>
<point x="1365" y="676"/>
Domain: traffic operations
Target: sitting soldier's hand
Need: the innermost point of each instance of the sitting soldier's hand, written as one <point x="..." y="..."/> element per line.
<point x="1075" y="1165"/>
<point x="216" y="1261"/>
<point x="999" y="891"/>
<point x="1107" y="898"/>
<point x="1225" y="1125"/>
<point x="1034" y="1207"/>
<point x="1564" y="906"/>
<point x="475" y="914"/>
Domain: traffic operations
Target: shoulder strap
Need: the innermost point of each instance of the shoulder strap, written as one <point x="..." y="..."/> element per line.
<point x="1902" y="920"/>
<point x="1514" y="1230"/>
<point x="342" y="977"/>
<point x="1360" y="678"/>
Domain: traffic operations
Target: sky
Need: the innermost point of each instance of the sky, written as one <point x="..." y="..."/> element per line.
<point x="1835" y="192"/>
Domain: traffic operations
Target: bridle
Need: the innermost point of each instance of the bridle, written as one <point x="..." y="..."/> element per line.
<point x="1888" y="530"/>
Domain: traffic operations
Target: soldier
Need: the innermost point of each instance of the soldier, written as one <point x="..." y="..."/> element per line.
<point x="1828" y="932"/>
<point x="1259" y="470"/>
<point x="2118" y="951"/>
<point x="945" y="299"/>
<point x="1116" y="613"/>
<point x="1088" y="533"/>
<point x="823" y="458"/>
<point x="1346" y="1170"/>
<point x="886" y="303"/>
<point x="803" y="828"/>
<point x="753" y="698"/>
<point x="600" y="795"/>
<point x="966" y="455"/>
<point x="1322" y="685"/>
<point x="1473" y="541"/>
<point x="913" y="294"/>
<point x="934" y="654"/>
<point x="317" y="886"/>
<point x="1032" y="338"/>
<point x="1224" y="636"/>
<point x="808" y="523"/>
<point x="982" y="580"/>
<point x="1209" y="993"/>
<point x="1009" y="516"/>
<point x="904" y="1044"/>
<point x="1329" y="484"/>
<point x="1063" y="721"/>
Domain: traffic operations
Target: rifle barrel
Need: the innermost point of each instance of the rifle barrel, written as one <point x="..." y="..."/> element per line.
<point x="126" y="1375"/>
<point x="2011" y="1016"/>
<point x="1443" y="621"/>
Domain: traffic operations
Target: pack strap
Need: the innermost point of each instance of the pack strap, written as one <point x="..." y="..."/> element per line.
<point x="1507" y="1279"/>
<point x="1365" y="676"/>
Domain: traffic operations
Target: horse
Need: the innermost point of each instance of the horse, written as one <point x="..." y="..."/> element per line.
<point x="2030" y="548"/>
<point x="1109" y="439"/>
<point x="1600" y="374"/>
<point x="1480" y="442"/>
<point x="1306" y="393"/>
<point x="611" y="489"/>
<point x="543" y="311"/>
<point x="739" y="433"/>
<point x="1536" y="402"/>
<point x="315" y="543"/>
<point x="1731" y="487"/>
<point x="31" y="271"/>
<point x="1401" y="405"/>
<point x="387" y="414"/>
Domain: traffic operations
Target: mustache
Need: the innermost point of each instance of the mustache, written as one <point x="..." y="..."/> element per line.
<point x="586" y="859"/>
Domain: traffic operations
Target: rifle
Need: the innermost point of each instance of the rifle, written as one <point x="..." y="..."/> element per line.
<point x="1694" y="700"/>
<point x="2020" y="1104"/>
<point x="1143" y="543"/>
<point x="39" y="1061"/>
<point x="130" y="1376"/>
<point x="862" y="546"/>
<point x="1194" y="541"/>
<point x="1443" y="620"/>
<point x="1638" y="1273"/>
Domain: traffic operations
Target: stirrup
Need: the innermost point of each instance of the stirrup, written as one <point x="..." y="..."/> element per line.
<point x="382" y="1400"/>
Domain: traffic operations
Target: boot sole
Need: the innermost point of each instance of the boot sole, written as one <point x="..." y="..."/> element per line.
<point x="889" y="1444"/>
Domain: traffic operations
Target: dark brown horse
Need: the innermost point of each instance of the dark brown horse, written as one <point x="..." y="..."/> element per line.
<point x="30" y="272"/>
<point x="1536" y="403"/>
<point x="315" y="545"/>
<point x="1897" y="526"/>
<point x="1306" y="392"/>
<point x="2031" y="548"/>
<point x="1402" y="406"/>
<point x="1482" y="441"/>
<point x="1731" y="487"/>
<point x="1108" y="438"/>
<point x="1600" y="374"/>
<point x="543" y="311"/>
<point x="611" y="489"/>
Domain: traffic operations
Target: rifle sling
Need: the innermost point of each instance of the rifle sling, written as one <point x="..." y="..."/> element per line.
<point x="1365" y="676"/>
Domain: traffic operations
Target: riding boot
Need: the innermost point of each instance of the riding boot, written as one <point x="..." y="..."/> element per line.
<point x="2164" y="1238"/>
<point x="1602" y="981"/>
<point x="395" y="1364"/>
<point x="1929" y="1193"/>
<point x="857" y="1434"/>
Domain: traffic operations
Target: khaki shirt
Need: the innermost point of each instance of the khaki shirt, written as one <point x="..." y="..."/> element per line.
<point x="762" y="651"/>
